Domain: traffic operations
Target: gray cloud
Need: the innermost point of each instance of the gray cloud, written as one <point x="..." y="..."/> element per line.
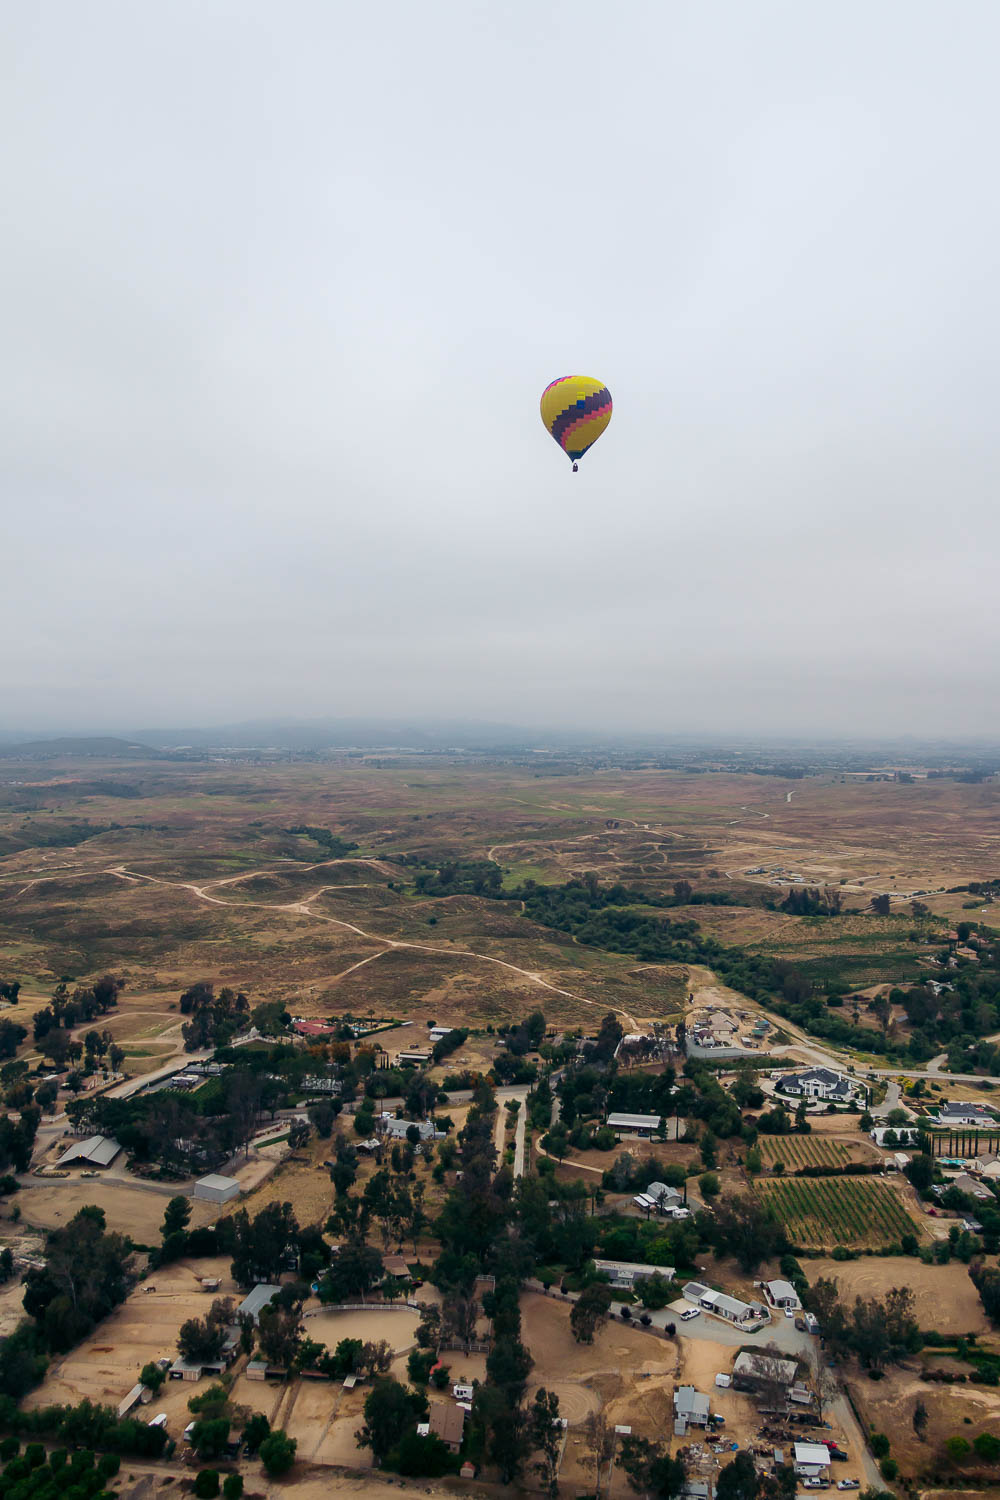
<point x="281" y="287"/>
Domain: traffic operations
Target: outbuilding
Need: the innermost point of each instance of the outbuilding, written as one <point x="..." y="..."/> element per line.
<point x="261" y="1296"/>
<point x="641" y="1125"/>
<point x="95" y="1151"/>
<point x="216" y="1189"/>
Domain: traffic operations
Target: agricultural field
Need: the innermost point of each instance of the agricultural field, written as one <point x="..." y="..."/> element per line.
<point x="820" y="1212"/>
<point x="810" y="1151"/>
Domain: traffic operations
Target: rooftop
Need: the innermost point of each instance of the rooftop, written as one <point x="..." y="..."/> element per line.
<point x="635" y="1122"/>
<point x="100" y="1150"/>
<point x="258" y="1298"/>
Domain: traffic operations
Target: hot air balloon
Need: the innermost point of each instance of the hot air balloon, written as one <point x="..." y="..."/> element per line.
<point x="576" y="410"/>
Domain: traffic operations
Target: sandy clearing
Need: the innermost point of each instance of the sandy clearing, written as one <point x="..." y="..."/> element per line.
<point x="945" y="1297"/>
<point x="128" y="1209"/>
<point x="397" y="1327"/>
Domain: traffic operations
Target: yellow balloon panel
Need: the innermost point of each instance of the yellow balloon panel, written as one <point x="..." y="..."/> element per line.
<point x="576" y="409"/>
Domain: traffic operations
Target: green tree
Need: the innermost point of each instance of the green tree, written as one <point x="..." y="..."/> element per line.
<point x="650" y="1468"/>
<point x="590" y="1312"/>
<point x="546" y="1438"/>
<point x="738" y="1480"/>
<point x="389" y="1410"/>
<point x="176" y="1217"/>
<point x="277" y="1452"/>
<point x="957" y="1448"/>
<point x="708" y="1182"/>
<point x="745" y="1226"/>
<point x="152" y="1376"/>
<point x="206" y="1484"/>
<point x="232" y="1487"/>
<point x="920" y="1420"/>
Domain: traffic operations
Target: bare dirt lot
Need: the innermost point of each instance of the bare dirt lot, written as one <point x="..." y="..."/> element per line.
<point x="128" y="1208"/>
<point x="946" y="1300"/>
<point x="107" y="1363"/>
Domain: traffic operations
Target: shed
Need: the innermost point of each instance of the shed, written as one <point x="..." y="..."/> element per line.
<point x="96" y="1151"/>
<point x="131" y="1401"/>
<point x="635" y="1124"/>
<point x="216" y="1189"/>
<point x="256" y="1369"/>
<point x="252" y="1303"/>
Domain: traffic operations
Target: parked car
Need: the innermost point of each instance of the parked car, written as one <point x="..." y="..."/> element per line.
<point x="689" y="1313"/>
<point x="848" y="1484"/>
<point x="837" y="1454"/>
<point x="816" y="1484"/>
<point x="800" y="1324"/>
<point x="789" y="1313"/>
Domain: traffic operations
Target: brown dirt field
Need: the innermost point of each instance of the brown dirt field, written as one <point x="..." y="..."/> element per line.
<point x="107" y="1363"/>
<point x="888" y="1405"/>
<point x="129" y="1209"/>
<point x="396" y="1327"/>
<point x="945" y="1297"/>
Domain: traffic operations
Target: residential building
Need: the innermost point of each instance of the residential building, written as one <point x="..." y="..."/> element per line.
<point x="782" y="1294"/>
<point x="906" y="1135"/>
<point x="447" y="1423"/>
<point x="658" y="1198"/>
<point x="989" y="1167"/>
<point x="416" y="1055"/>
<point x="753" y="1370"/>
<point x="625" y="1273"/>
<point x="690" y="1409"/>
<point x="396" y="1130"/>
<point x="965" y="1112"/>
<point x="818" y="1083"/>
<point x="812" y="1460"/>
<point x="724" y="1306"/>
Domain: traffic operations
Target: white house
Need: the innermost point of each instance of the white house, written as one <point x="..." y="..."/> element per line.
<point x="906" y="1135"/>
<point x="782" y="1294"/>
<point x="965" y="1112"/>
<point x="818" y="1083"/>
<point x="625" y="1273"/>
<point x="812" y="1460"/>
<point x="658" y="1198"/>
<point x="690" y="1409"/>
<point x="724" y="1306"/>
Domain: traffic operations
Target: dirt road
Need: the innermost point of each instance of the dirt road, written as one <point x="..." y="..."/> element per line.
<point x="304" y="908"/>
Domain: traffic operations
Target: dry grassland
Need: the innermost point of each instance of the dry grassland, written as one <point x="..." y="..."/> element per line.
<point x="945" y="1297"/>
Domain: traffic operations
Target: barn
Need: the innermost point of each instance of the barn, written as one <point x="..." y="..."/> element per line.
<point x="216" y="1189"/>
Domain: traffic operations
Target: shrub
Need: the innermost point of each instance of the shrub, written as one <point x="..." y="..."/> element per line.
<point x="888" y="1468"/>
<point x="206" y="1484"/>
<point x="232" y="1486"/>
<point x="880" y="1445"/>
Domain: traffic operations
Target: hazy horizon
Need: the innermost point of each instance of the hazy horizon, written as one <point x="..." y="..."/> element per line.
<point x="281" y="291"/>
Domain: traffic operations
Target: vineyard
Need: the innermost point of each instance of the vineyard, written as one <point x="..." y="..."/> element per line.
<point x="820" y="1212"/>
<point x="805" y="1151"/>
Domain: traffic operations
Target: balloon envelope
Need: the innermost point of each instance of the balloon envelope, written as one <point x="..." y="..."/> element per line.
<point x="576" y="410"/>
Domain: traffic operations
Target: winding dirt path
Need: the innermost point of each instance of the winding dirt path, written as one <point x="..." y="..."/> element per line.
<point x="303" y="908"/>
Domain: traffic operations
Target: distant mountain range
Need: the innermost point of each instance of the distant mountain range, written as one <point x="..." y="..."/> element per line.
<point x="103" y="746"/>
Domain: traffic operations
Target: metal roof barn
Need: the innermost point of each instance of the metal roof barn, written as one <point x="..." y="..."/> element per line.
<point x="98" y="1150"/>
<point x="216" y="1189"/>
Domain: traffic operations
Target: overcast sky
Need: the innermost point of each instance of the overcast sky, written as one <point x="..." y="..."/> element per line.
<point x="281" y="285"/>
